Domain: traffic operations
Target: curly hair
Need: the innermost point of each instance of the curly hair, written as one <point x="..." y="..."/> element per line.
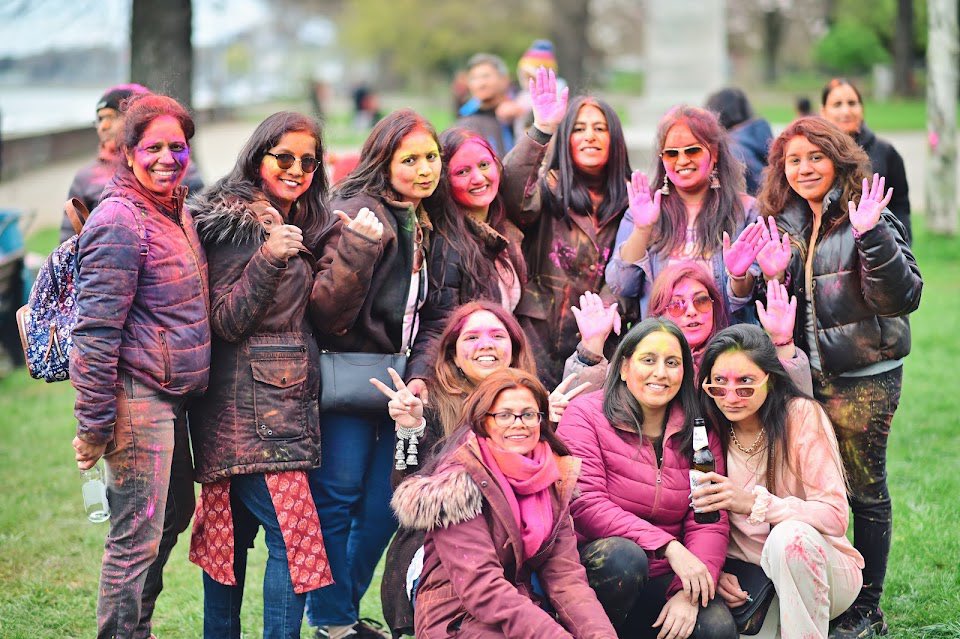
<point x="850" y="162"/>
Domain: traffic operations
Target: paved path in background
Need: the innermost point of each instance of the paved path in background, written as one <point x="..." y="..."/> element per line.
<point x="42" y="191"/>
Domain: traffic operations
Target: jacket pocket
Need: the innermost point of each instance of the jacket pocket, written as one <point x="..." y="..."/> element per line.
<point x="279" y="383"/>
<point x="165" y="356"/>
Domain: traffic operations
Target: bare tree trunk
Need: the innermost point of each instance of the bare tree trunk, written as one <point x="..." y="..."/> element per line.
<point x="942" y="58"/>
<point x="903" y="84"/>
<point x="161" y="53"/>
<point x="772" y="34"/>
<point x="569" y="25"/>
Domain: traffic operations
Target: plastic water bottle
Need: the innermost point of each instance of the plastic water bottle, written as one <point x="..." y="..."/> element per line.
<point x="95" y="494"/>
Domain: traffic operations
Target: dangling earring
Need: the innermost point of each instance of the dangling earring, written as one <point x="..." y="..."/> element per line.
<point x="714" y="179"/>
<point x="665" y="189"/>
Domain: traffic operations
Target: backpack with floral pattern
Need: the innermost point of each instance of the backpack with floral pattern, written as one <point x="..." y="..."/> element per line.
<point x="46" y="322"/>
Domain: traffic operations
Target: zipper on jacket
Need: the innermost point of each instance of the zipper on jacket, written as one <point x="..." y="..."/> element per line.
<point x="278" y="348"/>
<point x="810" y="283"/>
<point x="165" y="352"/>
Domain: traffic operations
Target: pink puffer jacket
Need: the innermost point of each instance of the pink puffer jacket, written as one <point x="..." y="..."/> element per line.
<point x="624" y="494"/>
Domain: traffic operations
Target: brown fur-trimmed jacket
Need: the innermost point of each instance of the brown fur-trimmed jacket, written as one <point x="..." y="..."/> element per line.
<point x="475" y="582"/>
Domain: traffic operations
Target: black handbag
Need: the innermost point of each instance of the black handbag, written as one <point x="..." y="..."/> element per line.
<point x="345" y="380"/>
<point x="750" y="616"/>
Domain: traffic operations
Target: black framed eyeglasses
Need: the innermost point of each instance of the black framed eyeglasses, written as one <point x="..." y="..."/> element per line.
<point x="308" y="163"/>
<point x="506" y="418"/>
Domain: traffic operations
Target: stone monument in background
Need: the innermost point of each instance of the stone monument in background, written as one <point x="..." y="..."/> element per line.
<point x="684" y="62"/>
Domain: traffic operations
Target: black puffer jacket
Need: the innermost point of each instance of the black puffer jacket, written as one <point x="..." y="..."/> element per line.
<point x="863" y="288"/>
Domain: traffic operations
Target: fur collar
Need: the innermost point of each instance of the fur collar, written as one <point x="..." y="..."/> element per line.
<point x="228" y="215"/>
<point x="489" y="237"/>
<point x="448" y="497"/>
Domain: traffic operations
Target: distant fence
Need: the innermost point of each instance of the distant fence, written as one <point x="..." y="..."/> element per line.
<point x="24" y="152"/>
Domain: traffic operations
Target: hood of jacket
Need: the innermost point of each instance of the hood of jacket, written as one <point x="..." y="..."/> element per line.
<point x="228" y="214"/>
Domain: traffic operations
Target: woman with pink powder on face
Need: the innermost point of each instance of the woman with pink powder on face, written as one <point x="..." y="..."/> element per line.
<point x="569" y="208"/>
<point x="690" y="210"/>
<point x="475" y="252"/>
<point x="785" y="486"/>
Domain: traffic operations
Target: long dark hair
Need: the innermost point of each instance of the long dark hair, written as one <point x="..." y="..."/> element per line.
<point x="731" y="106"/>
<point x="622" y="409"/>
<point x="372" y="174"/>
<point x="479" y="276"/>
<point x="310" y="210"/>
<point x="722" y="208"/>
<point x="850" y="162"/>
<point x="448" y="385"/>
<point x="755" y="344"/>
<point x="571" y="191"/>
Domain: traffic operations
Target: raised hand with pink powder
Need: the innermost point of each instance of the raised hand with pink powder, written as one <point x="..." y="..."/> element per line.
<point x="595" y="321"/>
<point x="549" y="105"/>
<point x="739" y="256"/>
<point x="644" y="206"/>
<point x="864" y="217"/>
<point x="774" y="257"/>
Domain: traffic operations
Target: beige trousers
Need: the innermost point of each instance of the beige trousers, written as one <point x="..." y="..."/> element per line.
<point x="814" y="582"/>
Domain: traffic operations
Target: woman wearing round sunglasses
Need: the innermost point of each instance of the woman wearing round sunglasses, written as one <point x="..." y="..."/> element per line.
<point x="784" y="489"/>
<point x="400" y="166"/>
<point x="653" y="567"/>
<point x="261" y="226"/>
<point x="494" y="505"/>
<point x="694" y="205"/>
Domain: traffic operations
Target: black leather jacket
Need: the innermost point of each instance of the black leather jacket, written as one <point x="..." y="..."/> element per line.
<point x="862" y="288"/>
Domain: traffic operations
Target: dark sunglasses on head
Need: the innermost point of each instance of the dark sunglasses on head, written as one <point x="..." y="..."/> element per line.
<point x="308" y="163"/>
<point x="742" y="390"/>
<point x="678" y="307"/>
<point x="692" y="152"/>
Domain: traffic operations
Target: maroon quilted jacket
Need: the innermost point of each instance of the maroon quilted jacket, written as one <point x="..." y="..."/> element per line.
<point x="147" y="315"/>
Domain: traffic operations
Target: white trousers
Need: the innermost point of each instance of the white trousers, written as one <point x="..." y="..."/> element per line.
<point x="814" y="582"/>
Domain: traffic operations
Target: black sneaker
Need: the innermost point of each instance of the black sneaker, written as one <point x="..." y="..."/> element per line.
<point x="853" y="624"/>
<point x="877" y="622"/>
<point x="369" y="629"/>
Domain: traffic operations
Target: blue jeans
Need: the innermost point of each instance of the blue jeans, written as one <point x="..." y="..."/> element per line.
<point x="150" y="491"/>
<point x="352" y="490"/>
<point x="252" y="507"/>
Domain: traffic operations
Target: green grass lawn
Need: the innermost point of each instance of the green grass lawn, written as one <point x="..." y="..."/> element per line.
<point x="50" y="554"/>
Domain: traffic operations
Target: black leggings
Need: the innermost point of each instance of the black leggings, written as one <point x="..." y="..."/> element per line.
<point x="617" y="570"/>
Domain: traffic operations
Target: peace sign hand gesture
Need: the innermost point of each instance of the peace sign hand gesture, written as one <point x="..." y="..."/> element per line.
<point x="548" y="105"/>
<point x="404" y="407"/>
<point x="560" y="397"/>
<point x="865" y="216"/>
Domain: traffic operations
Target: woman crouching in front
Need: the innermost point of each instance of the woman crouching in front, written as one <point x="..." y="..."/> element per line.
<point x="496" y="507"/>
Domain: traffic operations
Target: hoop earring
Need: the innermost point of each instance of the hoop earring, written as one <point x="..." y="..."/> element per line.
<point x="665" y="189"/>
<point x="714" y="179"/>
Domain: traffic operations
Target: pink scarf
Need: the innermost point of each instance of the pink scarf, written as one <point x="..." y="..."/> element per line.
<point x="525" y="481"/>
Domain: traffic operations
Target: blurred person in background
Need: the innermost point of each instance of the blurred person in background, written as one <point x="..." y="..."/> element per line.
<point x="842" y="104"/>
<point x="489" y="84"/>
<point x="750" y="136"/>
<point x="88" y="183"/>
